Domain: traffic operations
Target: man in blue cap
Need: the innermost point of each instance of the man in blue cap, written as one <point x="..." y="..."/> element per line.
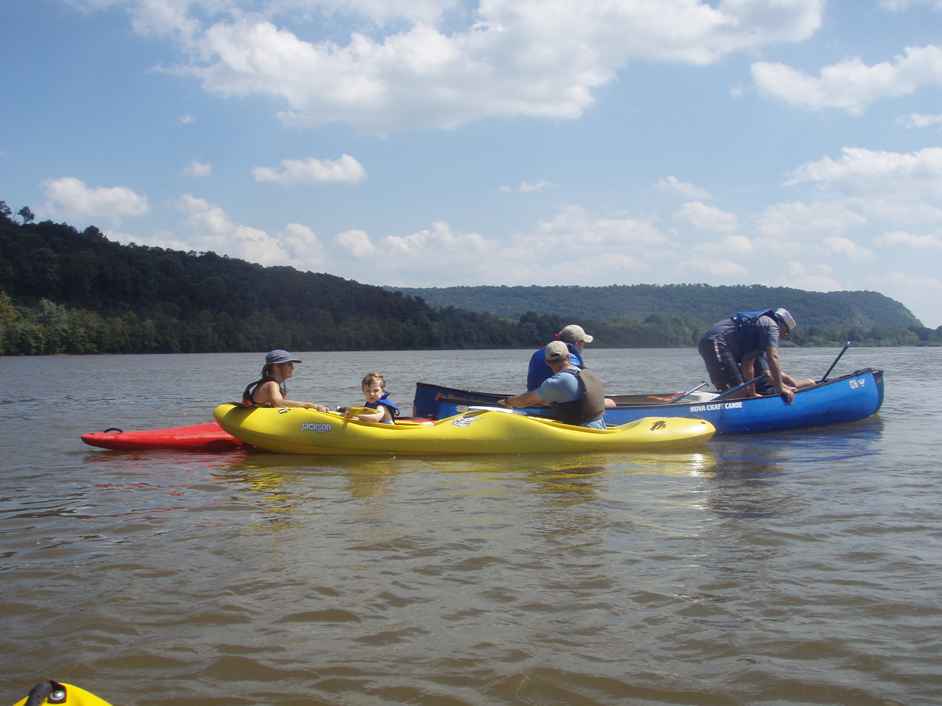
<point x="741" y="346"/>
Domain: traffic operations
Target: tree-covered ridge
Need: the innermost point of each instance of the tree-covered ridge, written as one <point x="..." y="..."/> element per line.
<point x="823" y="317"/>
<point x="64" y="291"/>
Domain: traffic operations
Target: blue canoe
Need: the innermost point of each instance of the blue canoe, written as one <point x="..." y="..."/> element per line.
<point x="843" y="399"/>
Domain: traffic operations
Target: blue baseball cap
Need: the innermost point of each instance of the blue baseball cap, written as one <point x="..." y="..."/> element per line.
<point x="279" y="356"/>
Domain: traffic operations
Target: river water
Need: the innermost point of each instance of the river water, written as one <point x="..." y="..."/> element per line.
<point x="793" y="568"/>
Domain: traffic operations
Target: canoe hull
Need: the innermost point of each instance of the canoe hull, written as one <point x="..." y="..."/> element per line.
<point x="208" y="436"/>
<point x="306" y="431"/>
<point x="847" y="398"/>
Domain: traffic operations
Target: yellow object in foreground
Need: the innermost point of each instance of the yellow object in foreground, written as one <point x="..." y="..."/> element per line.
<point x="53" y="692"/>
<point x="306" y="431"/>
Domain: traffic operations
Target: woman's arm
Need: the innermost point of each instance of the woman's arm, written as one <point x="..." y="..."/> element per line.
<point x="270" y="393"/>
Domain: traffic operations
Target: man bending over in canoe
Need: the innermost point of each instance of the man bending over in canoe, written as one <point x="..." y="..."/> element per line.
<point x="575" y="395"/>
<point x="733" y="347"/>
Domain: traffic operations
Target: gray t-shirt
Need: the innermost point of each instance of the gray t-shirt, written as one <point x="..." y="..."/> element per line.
<point x="561" y="387"/>
<point x="749" y="341"/>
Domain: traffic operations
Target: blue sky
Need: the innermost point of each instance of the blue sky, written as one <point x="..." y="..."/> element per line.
<point x="442" y="142"/>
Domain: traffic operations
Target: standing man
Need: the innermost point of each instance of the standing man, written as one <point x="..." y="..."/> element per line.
<point x="575" y="338"/>
<point x="732" y="346"/>
<point x="576" y="395"/>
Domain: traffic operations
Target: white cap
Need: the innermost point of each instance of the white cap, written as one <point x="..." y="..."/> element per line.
<point x="555" y="350"/>
<point x="784" y="315"/>
<point x="574" y="333"/>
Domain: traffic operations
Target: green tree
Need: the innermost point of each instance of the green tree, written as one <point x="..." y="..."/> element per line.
<point x="26" y="214"/>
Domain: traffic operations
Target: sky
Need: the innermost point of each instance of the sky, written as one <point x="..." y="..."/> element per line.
<point x="449" y="142"/>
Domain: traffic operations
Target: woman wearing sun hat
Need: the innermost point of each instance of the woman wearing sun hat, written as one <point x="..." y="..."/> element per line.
<point x="270" y="390"/>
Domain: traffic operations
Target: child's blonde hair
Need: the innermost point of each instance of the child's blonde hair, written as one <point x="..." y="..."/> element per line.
<point x="370" y="377"/>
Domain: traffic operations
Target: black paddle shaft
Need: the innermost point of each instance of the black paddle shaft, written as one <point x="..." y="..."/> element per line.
<point x="846" y="346"/>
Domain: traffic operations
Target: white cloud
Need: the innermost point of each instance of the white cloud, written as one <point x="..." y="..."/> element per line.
<point x="186" y="120"/>
<point x="357" y="243"/>
<point x="839" y="245"/>
<point x="909" y="240"/>
<point x="920" y="120"/>
<point x="731" y="245"/>
<point x="198" y="169"/>
<point x="71" y="197"/>
<point x="444" y="64"/>
<point x="721" y="268"/>
<point x="377" y="12"/>
<point x="817" y="277"/>
<point x="211" y="228"/>
<point x="344" y="170"/>
<point x="574" y="246"/>
<point x="684" y="188"/>
<point x="527" y="187"/>
<point x="909" y="174"/>
<point x="851" y="85"/>
<point x="903" y="5"/>
<point x="786" y="229"/>
<point x="707" y="217"/>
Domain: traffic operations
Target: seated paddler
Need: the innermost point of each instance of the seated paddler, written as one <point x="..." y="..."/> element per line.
<point x="575" y="338"/>
<point x="270" y="390"/>
<point x="576" y="396"/>
<point x="384" y="410"/>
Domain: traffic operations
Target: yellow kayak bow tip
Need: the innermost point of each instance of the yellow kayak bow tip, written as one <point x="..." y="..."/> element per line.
<point x="61" y="694"/>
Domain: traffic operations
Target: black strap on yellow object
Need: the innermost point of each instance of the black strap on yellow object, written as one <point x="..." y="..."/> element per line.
<point x="53" y="692"/>
<point x="47" y="692"/>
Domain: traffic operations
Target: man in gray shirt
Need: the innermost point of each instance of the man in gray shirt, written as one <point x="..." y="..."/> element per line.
<point x="576" y="395"/>
<point x="732" y="347"/>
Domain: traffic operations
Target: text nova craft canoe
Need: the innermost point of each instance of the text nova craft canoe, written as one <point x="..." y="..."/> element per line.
<point x="843" y="399"/>
<point x="306" y="431"/>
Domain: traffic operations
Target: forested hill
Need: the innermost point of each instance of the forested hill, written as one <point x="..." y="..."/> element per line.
<point x="855" y="314"/>
<point x="64" y="291"/>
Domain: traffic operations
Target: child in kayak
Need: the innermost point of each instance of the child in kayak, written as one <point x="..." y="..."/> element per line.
<point x="374" y="389"/>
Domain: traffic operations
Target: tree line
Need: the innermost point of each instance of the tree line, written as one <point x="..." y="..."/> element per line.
<point x="65" y="291"/>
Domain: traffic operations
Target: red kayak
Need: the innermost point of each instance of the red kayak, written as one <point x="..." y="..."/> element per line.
<point x="208" y="436"/>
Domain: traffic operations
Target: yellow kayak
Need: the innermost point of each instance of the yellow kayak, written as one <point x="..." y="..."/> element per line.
<point x="306" y="431"/>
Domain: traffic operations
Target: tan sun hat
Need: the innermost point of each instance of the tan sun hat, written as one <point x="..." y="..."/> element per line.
<point x="555" y="350"/>
<point x="574" y="333"/>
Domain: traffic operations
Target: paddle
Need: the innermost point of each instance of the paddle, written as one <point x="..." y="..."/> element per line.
<point x="726" y="393"/>
<point x="485" y="408"/>
<point x="846" y="346"/>
<point x="680" y="395"/>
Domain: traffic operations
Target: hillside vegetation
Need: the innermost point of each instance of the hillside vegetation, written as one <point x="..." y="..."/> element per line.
<point x="684" y="311"/>
<point x="65" y="291"/>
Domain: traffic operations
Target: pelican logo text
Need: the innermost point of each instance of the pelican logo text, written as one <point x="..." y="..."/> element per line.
<point x="318" y="427"/>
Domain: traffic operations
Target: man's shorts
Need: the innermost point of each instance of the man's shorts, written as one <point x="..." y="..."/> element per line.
<point x="720" y="364"/>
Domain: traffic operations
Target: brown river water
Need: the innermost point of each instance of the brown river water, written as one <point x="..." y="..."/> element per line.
<point x="792" y="568"/>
